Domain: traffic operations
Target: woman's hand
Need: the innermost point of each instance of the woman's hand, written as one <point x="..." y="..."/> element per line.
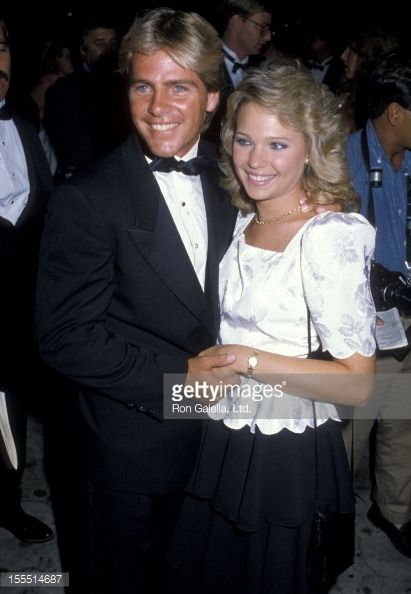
<point x="349" y="381"/>
<point x="307" y="206"/>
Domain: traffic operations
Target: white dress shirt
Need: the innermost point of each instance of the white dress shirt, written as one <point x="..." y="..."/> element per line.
<point x="183" y="195"/>
<point x="14" y="178"/>
<point x="236" y="77"/>
<point x="320" y="70"/>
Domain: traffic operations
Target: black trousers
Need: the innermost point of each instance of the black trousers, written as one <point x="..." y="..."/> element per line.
<point x="128" y="536"/>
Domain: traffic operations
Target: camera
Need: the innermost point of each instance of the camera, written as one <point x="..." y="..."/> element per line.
<point x="375" y="177"/>
<point x="390" y="289"/>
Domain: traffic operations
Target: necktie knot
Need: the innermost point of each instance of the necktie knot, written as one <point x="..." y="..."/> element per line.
<point x="314" y="65"/>
<point x="193" y="166"/>
<point x="5" y="112"/>
<point x="235" y="65"/>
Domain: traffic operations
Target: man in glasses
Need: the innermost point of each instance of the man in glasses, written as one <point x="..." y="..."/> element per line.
<point x="246" y="30"/>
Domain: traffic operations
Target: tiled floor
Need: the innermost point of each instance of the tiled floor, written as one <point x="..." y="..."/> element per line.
<point x="379" y="568"/>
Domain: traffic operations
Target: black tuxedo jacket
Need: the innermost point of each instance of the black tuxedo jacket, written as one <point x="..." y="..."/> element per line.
<point x="119" y="305"/>
<point x="19" y="247"/>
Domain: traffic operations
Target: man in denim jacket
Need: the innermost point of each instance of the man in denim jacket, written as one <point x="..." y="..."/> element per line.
<point x="387" y="135"/>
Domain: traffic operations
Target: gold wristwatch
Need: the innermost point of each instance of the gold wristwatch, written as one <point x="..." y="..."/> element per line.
<point x="252" y="363"/>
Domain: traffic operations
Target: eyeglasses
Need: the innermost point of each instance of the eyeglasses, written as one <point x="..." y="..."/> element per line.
<point x="264" y="27"/>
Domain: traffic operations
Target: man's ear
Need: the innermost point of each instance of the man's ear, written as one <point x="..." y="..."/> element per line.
<point x="212" y="100"/>
<point x="237" y="21"/>
<point x="394" y="113"/>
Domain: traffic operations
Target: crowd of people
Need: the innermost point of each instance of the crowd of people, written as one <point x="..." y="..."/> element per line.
<point x="195" y="202"/>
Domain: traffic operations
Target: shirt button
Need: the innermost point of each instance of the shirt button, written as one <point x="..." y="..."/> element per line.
<point x="183" y="204"/>
<point x="399" y="211"/>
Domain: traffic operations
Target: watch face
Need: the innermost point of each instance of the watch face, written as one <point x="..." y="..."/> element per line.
<point x="252" y="361"/>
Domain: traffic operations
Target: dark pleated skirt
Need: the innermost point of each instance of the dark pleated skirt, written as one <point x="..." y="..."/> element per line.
<point x="246" y="519"/>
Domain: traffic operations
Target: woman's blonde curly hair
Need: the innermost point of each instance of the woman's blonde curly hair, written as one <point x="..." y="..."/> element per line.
<point x="288" y="90"/>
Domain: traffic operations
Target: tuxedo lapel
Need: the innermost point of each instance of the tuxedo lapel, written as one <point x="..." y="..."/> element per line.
<point x="40" y="179"/>
<point x="156" y="238"/>
<point x="33" y="178"/>
<point x="214" y="219"/>
<point x="228" y="87"/>
<point x="220" y="224"/>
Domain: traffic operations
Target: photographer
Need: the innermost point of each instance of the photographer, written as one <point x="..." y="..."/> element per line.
<point x="380" y="162"/>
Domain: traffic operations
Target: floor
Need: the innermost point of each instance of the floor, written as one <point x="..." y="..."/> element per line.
<point x="378" y="568"/>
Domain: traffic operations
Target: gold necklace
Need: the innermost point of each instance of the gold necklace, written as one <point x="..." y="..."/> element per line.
<point x="276" y="219"/>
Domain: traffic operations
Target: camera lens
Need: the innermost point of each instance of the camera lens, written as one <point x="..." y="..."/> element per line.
<point x="375" y="174"/>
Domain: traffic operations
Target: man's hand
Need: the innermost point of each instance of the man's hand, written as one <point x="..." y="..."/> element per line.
<point x="307" y="206"/>
<point x="211" y="364"/>
<point x="212" y="368"/>
<point x="215" y="369"/>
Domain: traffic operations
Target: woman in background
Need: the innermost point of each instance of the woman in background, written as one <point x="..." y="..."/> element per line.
<point x="55" y="63"/>
<point x="363" y="47"/>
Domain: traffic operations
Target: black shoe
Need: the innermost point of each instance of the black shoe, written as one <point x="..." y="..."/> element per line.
<point x="27" y="528"/>
<point x="400" y="537"/>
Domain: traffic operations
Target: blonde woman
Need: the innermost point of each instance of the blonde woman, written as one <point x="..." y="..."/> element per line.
<point x="247" y="517"/>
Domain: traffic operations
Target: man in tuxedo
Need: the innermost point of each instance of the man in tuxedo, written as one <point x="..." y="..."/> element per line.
<point x="128" y="292"/>
<point x="320" y="55"/>
<point x="246" y="30"/>
<point x="25" y="183"/>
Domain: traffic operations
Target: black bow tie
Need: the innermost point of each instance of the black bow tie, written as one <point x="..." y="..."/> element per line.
<point x="194" y="166"/>
<point x="5" y="112"/>
<point x="235" y="65"/>
<point x="317" y="66"/>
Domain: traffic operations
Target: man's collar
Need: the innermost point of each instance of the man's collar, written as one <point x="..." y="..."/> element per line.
<point x="189" y="155"/>
<point x="5" y="111"/>
<point x="234" y="55"/>
<point x="193" y="152"/>
<point x="378" y="151"/>
<point x="373" y="140"/>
